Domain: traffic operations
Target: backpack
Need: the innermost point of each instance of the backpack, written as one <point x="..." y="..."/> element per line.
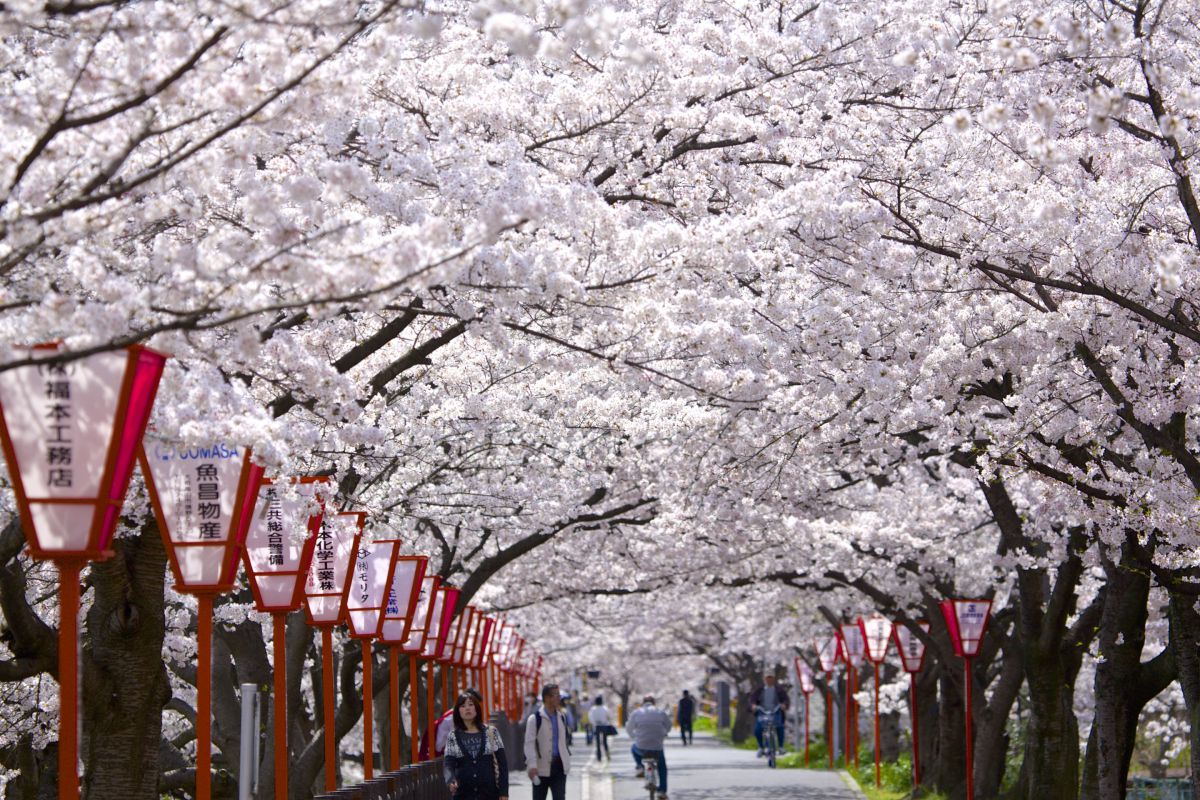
<point x="537" y="730"/>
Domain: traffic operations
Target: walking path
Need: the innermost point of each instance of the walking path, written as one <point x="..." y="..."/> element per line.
<point x="706" y="770"/>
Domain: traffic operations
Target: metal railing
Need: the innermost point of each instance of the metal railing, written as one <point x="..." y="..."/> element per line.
<point x="1159" y="789"/>
<point x="415" y="782"/>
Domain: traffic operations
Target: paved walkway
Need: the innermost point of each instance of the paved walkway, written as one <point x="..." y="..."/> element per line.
<point x="707" y="770"/>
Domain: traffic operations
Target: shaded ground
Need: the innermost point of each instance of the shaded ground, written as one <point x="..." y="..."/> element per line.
<point x="707" y="770"/>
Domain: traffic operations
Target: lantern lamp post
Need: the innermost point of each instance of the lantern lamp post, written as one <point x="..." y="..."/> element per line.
<point x="435" y="648"/>
<point x="413" y="645"/>
<point x="804" y="675"/>
<point x="70" y="433"/>
<point x="827" y="655"/>
<point x="374" y="571"/>
<point x="399" y="614"/>
<point x="876" y="634"/>
<point x="912" y="658"/>
<point x="202" y="499"/>
<point x="334" y="553"/>
<point x="278" y="552"/>
<point x="854" y="648"/>
<point x="966" y="621"/>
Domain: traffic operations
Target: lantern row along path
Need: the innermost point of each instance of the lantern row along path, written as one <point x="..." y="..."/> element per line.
<point x="706" y="770"/>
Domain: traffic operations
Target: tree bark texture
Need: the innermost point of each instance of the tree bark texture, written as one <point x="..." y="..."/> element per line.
<point x="125" y="684"/>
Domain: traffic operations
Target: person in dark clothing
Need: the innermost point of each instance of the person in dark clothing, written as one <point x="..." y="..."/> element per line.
<point x="684" y="715"/>
<point x="475" y="767"/>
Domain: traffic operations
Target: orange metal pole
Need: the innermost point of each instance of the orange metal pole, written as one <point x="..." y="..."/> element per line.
<point x="806" y="729"/>
<point x="970" y="738"/>
<point x="368" y="701"/>
<point x="394" y="706"/>
<point x="327" y="690"/>
<point x="430" y="711"/>
<point x="204" y="633"/>
<point x="414" y="711"/>
<point x="912" y="696"/>
<point x="878" y="774"/>
<point x="829" y="714"/>
<point x="279" y="642"/>
<point x="68" y="679"/>
<point x="849" y="714"/>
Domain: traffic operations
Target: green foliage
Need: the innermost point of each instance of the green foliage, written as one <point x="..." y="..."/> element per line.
<point x="895" y="776"/>
<point x="704" y="725"/>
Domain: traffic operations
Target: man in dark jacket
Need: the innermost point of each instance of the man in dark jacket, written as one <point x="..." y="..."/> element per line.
<point x="684" y="715"/>
<point x="773" y="701"/>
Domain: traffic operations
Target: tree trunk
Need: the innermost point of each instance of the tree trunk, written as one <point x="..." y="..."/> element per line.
<point x="1185" y="645"/>
<point x="125" y="682"/>
<point x="1118" y="675"/>
<point x="1051" y="759"/>
<point x="947" y="773"/>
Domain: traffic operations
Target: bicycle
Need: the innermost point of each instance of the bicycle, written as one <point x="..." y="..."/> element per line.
<point x="650" y="763"/>
<point x="770" y="734"/>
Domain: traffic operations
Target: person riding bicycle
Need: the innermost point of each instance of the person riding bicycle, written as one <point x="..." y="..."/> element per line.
<point x="773" y="701"/>
<point x="648" y="726"/>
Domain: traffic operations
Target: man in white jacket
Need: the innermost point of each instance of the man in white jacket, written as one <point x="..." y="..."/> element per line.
<point x="648" y="726"/>
<point x="546" y="749"/>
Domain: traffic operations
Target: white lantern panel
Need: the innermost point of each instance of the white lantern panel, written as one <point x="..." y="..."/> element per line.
<point x="276" y="591"/>
<point x="435" y="625"/>
<point x="200" y="564"/>
<point x="827" y="653"/>
<point x="62" y="527"/>
<point x="367" y="586"/>
<point x="325" y="608"/>
<point x="197" y="487"/>
<point x="395" y="616"/>
<point x="277" y="533"/>
<point x="416" y="636"/>
<point x="855" y="648"/>
<point x="912" y="649"/>
<point x="972" y="616"/>
<point x="878" y="634"/>
<point x="60" y="418"/>
<point x="330" y="563"/>
<point x="804" y="673"/>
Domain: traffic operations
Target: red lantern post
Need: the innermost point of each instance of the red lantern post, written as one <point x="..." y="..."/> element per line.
<point x="481" y="657"/>
<point x="827" y="654"/>
<point x="876" y="633"/>
<point x="279" y="548"/>
<point x="912" y="658"/>
<point x="805" y="676"/>
<point x="70" y="434"/>
<point x="325" y="590"/>
<point x="967" y="621"/>
<point x="373" y="574"/>
<point x="413" y="645"/>
<point x="398" y="616"/>
<point x="854" y="648"/>
<point x="435" y="649"/>
<point x="202" y="498"/>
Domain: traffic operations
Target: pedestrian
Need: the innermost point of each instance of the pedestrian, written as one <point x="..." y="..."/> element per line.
<point x="475" y="766"/>
<point x="546" y="748"/>
<point x="684" y="715"/>
<point x="648" y="726"/>
<point x="773" y="703"/>
<point x="602" y="726"/>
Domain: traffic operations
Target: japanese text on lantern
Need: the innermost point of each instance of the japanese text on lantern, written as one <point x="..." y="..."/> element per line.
<point x="274" y="527"/>
<point x="324" y="555"/>
<point x="58" y="427"/>
<point x="362" y="566"/>
<point x="208" y="493"/>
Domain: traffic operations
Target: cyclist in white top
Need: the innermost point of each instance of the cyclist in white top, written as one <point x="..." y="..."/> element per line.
<point x="601" y="722"/>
